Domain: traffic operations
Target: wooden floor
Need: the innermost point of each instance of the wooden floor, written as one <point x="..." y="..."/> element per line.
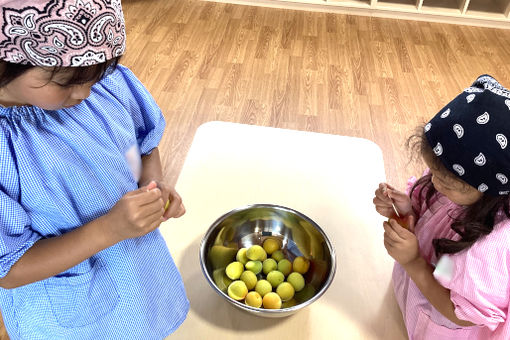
<point x="348" y="75"/>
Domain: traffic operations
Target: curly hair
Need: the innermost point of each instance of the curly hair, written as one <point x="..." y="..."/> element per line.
<point x="475" y="221"/>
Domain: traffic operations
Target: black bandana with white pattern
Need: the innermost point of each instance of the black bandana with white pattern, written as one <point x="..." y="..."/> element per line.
<point x="470" y="136"/>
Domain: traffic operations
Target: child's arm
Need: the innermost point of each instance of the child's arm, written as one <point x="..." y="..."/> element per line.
<point x="152" y="171"/>
<point x="402" y="245"/>
<point x="151" y="168"/>
<point x="136" y="214"/>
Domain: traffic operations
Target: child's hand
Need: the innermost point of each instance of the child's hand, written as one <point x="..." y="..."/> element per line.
<point x="401" y="243"/>
<point x="137" y="213"/>
<point x="175" y="207"/>
<point x="382" y="201"/>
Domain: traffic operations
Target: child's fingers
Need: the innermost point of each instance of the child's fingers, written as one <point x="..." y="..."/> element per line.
<point x="389" y="186"/>
<point x="391" y="193"/>
<point x="380" y="193"/>
<point x="380" y="209"/>
<point x="151" y="185"/>
<point x="412" y="223"/>
<point x="182" y="211"/>
<point x="384" y="210"/>
<point x="389" y="232"/>
<point x="155" y="217"/>
<point x="396" y="195"/>
<point x="395" y="231"/>
<point x="148" y="210"/>
<point x="381" y="200"/>
<point x="383" y="205"/>
<point x="389" y="247"/>
<point x="156" y="223"/>
<point x="145" y="194"/>
<point x="388" y="240"/>
<point x="175" y="208"/>
<point x="142" y="198"/>
<point x="384" y="186"/>
<point x="401" y="232"/>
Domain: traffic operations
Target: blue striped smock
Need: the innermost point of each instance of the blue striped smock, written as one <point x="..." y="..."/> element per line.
<point x="58" y="171"/>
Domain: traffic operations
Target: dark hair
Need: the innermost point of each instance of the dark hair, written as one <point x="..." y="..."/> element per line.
<point x="475" y="221"/>
<point x="79" y="75"/>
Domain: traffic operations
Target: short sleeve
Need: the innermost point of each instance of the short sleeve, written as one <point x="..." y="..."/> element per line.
<point x="147" y="117"/>
<point x="16" y="234"/>
<point x="478" y="278"/>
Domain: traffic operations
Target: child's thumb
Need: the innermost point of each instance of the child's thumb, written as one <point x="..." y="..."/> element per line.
<point x="396" y="194"/>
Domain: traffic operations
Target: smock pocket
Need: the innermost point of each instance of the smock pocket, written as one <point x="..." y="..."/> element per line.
<point x="82" y="299"/>
<point x="426" y="329"/>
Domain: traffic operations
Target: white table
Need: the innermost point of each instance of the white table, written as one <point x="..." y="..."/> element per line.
<point x="329" y="178"/>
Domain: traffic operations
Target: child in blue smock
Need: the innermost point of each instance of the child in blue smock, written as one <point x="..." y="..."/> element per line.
<point x="81" y="187"/>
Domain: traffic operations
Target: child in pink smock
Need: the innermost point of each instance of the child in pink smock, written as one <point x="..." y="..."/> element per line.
<point x="452" y="272"/>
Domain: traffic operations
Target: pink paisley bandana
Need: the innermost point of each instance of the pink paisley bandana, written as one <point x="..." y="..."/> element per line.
<point x="61" y="32"/>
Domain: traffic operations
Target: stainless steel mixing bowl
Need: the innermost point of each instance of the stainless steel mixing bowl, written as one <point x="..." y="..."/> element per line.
<point x="252" y="224"/>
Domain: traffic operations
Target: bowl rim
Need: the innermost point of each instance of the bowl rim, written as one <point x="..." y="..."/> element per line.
<point x="289" y="310"/>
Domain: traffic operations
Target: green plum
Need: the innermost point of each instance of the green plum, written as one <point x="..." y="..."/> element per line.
<point x="285" y="266"/>
<point x="272" y="301"/>
<point x="234" y="270"/>
<point x="263" y="287"/>
<point x="254" y="266"/>
<point x="271" y="245"/>
<point x="269" y="265"/>
<point x="275" y="278"/>
<point x="296" y="280"/>
<point x="253" y="299"/>
<point x="237" y="290"/>
<point x="285" y="290"/>
<point x="256" y="253"/>
<point x="249" y="278"/>
<point x="241" y="255"/>
<point x="301" y="264"/>
<point x="278" y="255"/>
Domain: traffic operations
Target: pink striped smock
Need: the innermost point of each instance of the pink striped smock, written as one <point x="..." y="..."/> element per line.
<point x="478" y="278"/>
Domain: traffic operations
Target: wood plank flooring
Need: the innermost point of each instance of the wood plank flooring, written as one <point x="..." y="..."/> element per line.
<point x="349" y="75"/>
<point x="358" y="76"/>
